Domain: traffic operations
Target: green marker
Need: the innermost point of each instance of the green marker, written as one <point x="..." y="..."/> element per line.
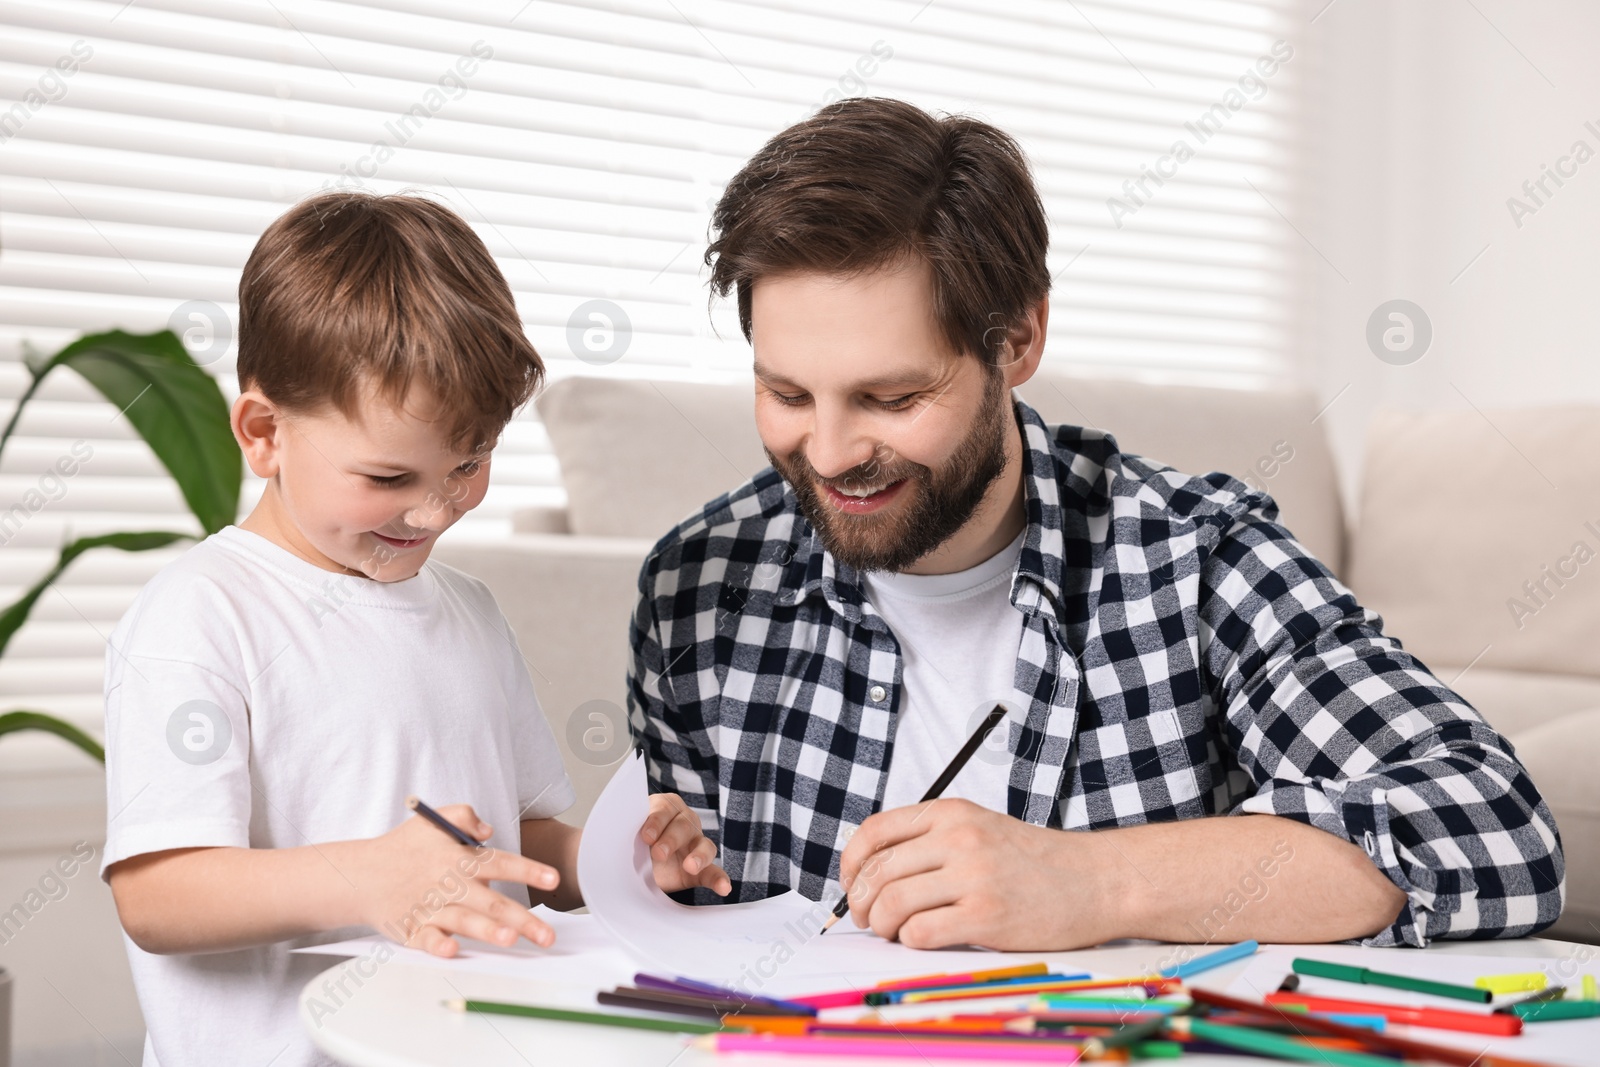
<point x="1551" y="1010"/>
<point x="1367" y="976"/>
<point x="1157" y="1050"/>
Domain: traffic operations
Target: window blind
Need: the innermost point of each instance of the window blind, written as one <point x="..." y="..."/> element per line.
<point x="145" y="145"/>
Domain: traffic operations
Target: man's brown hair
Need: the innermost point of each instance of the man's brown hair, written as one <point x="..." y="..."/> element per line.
<point x="869" y="182"/>
<point x="348" y="291"/>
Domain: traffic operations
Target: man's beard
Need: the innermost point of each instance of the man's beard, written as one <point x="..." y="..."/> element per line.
<point x="940" y="503"/>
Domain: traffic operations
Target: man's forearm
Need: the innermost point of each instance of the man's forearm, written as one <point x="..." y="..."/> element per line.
<point x="1232" y="878"/>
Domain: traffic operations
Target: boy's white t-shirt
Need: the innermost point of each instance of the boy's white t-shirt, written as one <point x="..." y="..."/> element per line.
<point x="959" y="635"/>
<point x="256" y="700"/>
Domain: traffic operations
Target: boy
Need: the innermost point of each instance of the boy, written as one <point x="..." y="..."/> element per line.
<point x="273" y="696"/>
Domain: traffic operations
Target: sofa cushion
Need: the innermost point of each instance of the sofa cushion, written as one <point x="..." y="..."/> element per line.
<point x="703" y="442"/>
<point x="1479" y="536"/>
<point x="637" y="457"/>
<point x="1268" y="438"/>
<point x="1514" y="702"/>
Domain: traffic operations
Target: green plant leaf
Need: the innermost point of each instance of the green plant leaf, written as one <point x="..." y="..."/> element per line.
<point x="12" y="618"/>
<point x="13" y="721"/>
<point x="175" y="405"/>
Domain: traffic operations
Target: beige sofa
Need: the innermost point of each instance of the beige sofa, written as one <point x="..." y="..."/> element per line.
<point x="1458" y="511"/>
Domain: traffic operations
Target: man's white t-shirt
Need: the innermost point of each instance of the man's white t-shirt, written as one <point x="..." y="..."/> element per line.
<point x="256" y="700"/>
<point x="959" y="635"/>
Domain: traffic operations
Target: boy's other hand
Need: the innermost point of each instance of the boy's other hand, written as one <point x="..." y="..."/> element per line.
<point x="680" y="853"/>
<point x="418" y="886"/>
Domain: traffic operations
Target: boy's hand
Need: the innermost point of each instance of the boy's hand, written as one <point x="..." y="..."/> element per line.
<point x="418" y="887"/>
<point x="679" y="852"/>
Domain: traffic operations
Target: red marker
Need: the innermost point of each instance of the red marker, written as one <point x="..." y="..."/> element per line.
<point x="1437" y="1018"/>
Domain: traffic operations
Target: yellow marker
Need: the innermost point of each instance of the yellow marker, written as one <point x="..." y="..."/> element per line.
<point x="1528" y="982"/>
<point x="1589" y="990"/>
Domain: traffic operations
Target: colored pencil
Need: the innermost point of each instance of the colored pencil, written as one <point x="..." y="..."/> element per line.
<point x="684" y="1004"/>
<point x="461" y="836"/>
<point x="844" y="998"/>
<point x="746" y="1005"/>
<point x="896" y="1047"/>
<point x="1367" y="976"/>
<point x="1097" y="1016"/>
<point x="920" y="996"/>
<point x="956" y="978"/>
<point x="1004" y="1033"/>
<point x="894" y="995"/>
<point x="689" y="985"/>
<point x="591" y="1018"/>
<point x="1012" y="1024"/>
<point x="1221" y="957"/>
<point x="702" y="1010"/>
<point x="948" y="775"/>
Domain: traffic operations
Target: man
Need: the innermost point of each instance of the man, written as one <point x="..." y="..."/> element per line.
<point x="812" y="648"/>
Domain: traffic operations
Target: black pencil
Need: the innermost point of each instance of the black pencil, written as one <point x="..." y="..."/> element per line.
<point x="415" y="804"/>
<point x="940" y="784"/>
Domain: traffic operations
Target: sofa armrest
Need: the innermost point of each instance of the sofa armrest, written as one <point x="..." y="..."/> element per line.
<point x="569" y="601"/>
<point x="1560" y="756"/>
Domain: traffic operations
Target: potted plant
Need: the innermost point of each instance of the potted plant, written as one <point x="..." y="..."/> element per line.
<point x="179" y="411"/>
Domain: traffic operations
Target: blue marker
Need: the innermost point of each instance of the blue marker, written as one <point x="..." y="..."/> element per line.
<point x="1209" y="960"/>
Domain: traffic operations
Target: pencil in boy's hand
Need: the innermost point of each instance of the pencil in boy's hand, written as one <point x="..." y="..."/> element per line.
<point x="990" y="721"/>
<point x="415" y="804"/>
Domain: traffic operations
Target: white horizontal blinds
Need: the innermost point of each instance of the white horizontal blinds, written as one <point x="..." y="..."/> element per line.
<point x="585" y="142"/>
<point x="1185" y="276"/>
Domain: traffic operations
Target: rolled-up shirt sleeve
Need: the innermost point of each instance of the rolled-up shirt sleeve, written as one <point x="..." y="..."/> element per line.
<point x="1341" y="728"/>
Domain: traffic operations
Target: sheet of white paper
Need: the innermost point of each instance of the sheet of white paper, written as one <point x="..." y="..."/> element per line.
<point x="581" y="943"/>
<point x="1567" y="1042"/>
<point x="771" y="944"/>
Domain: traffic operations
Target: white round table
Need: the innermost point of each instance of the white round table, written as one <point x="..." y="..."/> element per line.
<point x="396" y="1015"/>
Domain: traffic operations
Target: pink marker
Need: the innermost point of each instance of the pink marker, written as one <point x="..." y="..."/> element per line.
<point x="898" y="1048"/>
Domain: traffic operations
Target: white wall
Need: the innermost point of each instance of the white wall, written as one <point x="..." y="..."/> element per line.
<point x="1426" y="116"/>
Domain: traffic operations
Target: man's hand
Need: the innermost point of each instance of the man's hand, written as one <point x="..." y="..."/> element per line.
<point x="949" y="872"/>
<point x="416" y="883"/>
<point x="680" y="853"/>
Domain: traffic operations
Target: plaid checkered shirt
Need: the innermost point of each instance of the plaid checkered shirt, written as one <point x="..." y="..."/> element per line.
<point x="1182" y="655"/>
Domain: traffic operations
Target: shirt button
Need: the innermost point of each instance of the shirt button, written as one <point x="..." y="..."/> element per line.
<point x="877" y="693"/>
<point x="1370" y="843"/>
